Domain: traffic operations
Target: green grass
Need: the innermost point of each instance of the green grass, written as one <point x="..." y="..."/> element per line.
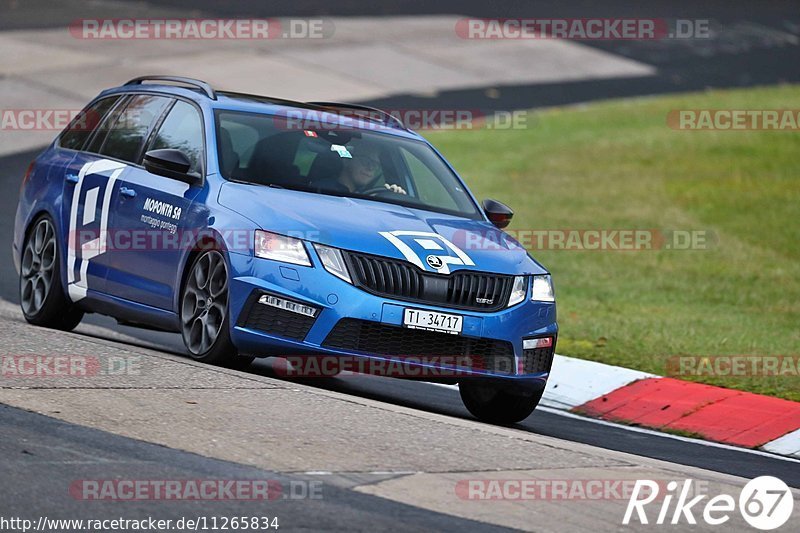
<point x="615" y="165"/>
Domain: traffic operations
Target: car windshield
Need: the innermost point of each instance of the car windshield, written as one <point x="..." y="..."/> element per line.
<point x="358" y="163"/>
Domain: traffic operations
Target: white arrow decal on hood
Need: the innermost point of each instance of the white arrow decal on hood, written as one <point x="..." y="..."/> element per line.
<point x="428" y="241"/>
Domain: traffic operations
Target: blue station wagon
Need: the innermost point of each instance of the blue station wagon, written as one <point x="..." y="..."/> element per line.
<point x="262" y="227"/>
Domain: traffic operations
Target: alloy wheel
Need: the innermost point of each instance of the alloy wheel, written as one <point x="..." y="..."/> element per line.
<point x="205" y="302"/>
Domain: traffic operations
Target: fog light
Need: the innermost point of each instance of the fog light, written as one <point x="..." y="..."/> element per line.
<point x="532" y="344"/>
<point x="288" y="305"/>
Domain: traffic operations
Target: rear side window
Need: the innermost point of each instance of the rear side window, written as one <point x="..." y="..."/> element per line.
<point x="79" y="130"/>
<point x="182" y="130"/>
<point x="127" y="135"/>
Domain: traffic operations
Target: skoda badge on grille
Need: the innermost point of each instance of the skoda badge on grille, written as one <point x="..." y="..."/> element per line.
<point x="434" y="261"/>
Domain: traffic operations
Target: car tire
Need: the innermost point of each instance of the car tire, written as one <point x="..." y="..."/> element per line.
<point x="492" y="404"/>
<point x="41" y="292"/>
<point x="204" y="313"/>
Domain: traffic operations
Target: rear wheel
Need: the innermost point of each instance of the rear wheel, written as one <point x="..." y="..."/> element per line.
<point x="204" y="313"/>
<point x="495" y="405"/>
<point x="41" y="293"/>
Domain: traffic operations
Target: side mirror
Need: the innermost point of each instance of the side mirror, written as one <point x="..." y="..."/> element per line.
<point x="170" y="164"/>
<point x="499" y="214"/>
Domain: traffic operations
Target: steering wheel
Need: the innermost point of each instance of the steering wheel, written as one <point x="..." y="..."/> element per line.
<point x="375" y="191"/>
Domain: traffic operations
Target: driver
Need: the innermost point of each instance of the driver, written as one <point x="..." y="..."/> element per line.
<point x="362" y="172"/>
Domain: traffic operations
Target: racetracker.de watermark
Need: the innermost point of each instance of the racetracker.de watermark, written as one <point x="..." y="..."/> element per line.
<point x="201" y="29"/>
<point x="533" y="489"/>
<point x="54" y="119"/>
<point x="582" y="29"/>
<point x="400" y="366"/>
<point x="314" y="121"/>
<point x="68" y="366"/>
<point x="47" y="119"/>
<point x="734" y="119"/>
<point x="127" y="490"/>
<point x="734" y="366"/>
<point x="600" y="239"/>
<point x="162" y="234"/>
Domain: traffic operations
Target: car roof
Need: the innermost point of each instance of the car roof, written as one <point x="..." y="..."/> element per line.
<point x="340" y="114"/>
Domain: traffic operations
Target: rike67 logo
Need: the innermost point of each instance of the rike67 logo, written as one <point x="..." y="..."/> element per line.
<point x="766" y="503"/>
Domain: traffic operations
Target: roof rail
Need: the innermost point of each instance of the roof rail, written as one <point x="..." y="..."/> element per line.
<point x="266" y="99"/>
<point x="387" y="118"/>
<point x="203" y="86"/>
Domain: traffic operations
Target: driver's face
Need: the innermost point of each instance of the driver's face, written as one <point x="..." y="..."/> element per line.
<point x="365" y="167"/>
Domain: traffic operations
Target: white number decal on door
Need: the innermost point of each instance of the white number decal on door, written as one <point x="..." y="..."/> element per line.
<point x="79" y="253"/>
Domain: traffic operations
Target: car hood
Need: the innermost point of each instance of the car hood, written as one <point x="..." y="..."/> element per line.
<point x="435" y="242"/>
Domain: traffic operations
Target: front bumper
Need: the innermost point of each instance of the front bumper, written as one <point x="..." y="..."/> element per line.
<point x="338" y="303"/>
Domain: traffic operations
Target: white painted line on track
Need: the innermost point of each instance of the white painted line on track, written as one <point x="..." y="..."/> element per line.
<point x="646" y="431"/>
<point x="653" y="432"/>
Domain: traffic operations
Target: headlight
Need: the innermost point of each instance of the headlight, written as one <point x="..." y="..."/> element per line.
<point x="281" y="248"/>
<point x="543" y="289"/>
<point x="333" y="261"/>
<point x="518" y="290"/>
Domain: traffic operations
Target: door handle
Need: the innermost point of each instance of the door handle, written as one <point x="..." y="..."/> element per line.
<point x="126" y="192"/>
<point x="71" y="178"/>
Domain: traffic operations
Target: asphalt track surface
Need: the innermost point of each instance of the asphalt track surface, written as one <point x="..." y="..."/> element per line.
<point x="423" y="396"/>
<point x="42" y="453"/>
<point x="754" y="43"/>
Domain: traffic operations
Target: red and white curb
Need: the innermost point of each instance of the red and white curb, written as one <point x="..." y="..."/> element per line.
<point x="626" y="396"/>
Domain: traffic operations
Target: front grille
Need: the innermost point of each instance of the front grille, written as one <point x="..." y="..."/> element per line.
<point x="400" y="280"/>
<point x="537" y="360"/>
<point x="381" y="339"/>
<point x="273" y="320"/>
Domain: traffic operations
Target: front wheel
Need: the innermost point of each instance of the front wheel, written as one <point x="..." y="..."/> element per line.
<point x="204" y="313"/>
<point x="492" y="404"/>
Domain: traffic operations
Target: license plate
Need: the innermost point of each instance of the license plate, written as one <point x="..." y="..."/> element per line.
<point x="432" y="321"/>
